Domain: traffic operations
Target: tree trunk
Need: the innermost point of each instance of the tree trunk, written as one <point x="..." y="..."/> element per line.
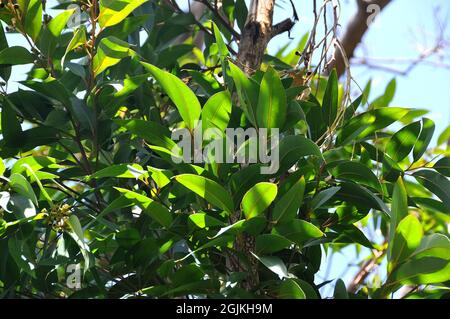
<point x="256" y="35"/>
<point x="253" y="43"/>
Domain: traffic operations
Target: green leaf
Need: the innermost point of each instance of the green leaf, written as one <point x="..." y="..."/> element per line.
<point x="444" y="137"/>
<point x="270" y="243"/>
<point x="113" y="12"/>
<point x="351" y="109"/>
<point x="436" y="183"/>
<point x="323" y="197"/>
<point x="79" y="38"/>
<point x="361" y="197"/>
<point x="369" y="122"/>
<point x="293" y="148"/>
<point x="152" y="132"/>
<point x="21" y="186"/>
<point x="52" y="32"/>
<point x="216" y="112"/>
<point x="5" y="71"/>
<point x="16" y="55"/>
<point x="2" y="167"/>
<point x="33" y="18"/>
<point x="118" y="203"/>
<point x="77" y="233"/>
<point x="247" y="90"/>
<point x="443" y="166"/>
<point x="428" y="128"/>
<point x="16" y="249"/>
<point x="402" y="142"/>
<point x="203" y="220"/>
<point x="399" y="209"/>
<point x="258" y="199"/>
<point x="223" y="55"/>
<point x="290" y="289"/>
<point x="350" y="234"/>
<point x="38" y="181"/>
<point x="299" y="231"/>
<point x="340" y="291"/>
<point x="434" y="245"/>
<point x="154" y="209"/>
<point x="36" y="163"/>
<point x="407" y="238"/>
<point x="427" y="270"/>
<point x="272" y="106"/>
<point x="287" y="207"/>
<point x="330" y="99"/>
<point x="181" y="95"/>
<point x="208" y="189"/>
<point x="128" y="238"/>
<point x="387" y="97"/>
<point x="275" y="264"/>
<point x="58" y="23"/>
<point x="11" y="128"/>
<point x="356" y="172"/>
<point x="235" y="228"/>
<point x="110" y="51"/>
<point x="120" y="171"/>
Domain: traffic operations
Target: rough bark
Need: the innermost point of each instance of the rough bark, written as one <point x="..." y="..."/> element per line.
<point x="355" y="32"/>
<point x="256" y="35"/>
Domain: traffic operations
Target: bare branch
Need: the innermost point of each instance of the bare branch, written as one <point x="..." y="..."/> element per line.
<point x="355" y="32"/>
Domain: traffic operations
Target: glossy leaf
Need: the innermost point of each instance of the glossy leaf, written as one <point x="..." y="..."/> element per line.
<point x="272" y="105"/>
<point x="247" y="91"/>
<point x="183" y="98"/>
<point x="20" y="185"/>
<point x="16" y="55"/>
<point x="270" y="243"/>
<point x="323" y="197"/>
<point x="407" y="238"/>
<point x="287" y="206"/>
<point x="299" y="231"/>
<point x="258" y="199"/>
<point x="443" y="166"/>
<point x="355" y="172"/>
<point x="436" y="183"/>
<point x="110" y="51"/>
<point x="33" y="18"/>
<point x="120" y="171"/>
<point x="154" y="209"/>
<point x="444" y="137"/>
<point x="216" y="112"/>
<point x="403" y="142"/>
<point x="340" y="291"/>
<point x="275" y="264"/>
<point x="399" y="209"/>
<point x="428" y="128"/>
<point x="369" y="122"/>
<point x="290" y="289"/>
<point x="113" y="12"/>
<point x="207" y="189"/>
<point x="330" y="99"/>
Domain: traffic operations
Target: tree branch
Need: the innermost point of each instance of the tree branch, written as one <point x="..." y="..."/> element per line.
<point x="355" y="32"/>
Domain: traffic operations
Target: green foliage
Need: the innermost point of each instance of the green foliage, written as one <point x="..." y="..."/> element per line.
<point x="88" y="176"/>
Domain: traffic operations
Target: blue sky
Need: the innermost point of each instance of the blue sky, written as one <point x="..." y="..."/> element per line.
<point x="395" y="33"/>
